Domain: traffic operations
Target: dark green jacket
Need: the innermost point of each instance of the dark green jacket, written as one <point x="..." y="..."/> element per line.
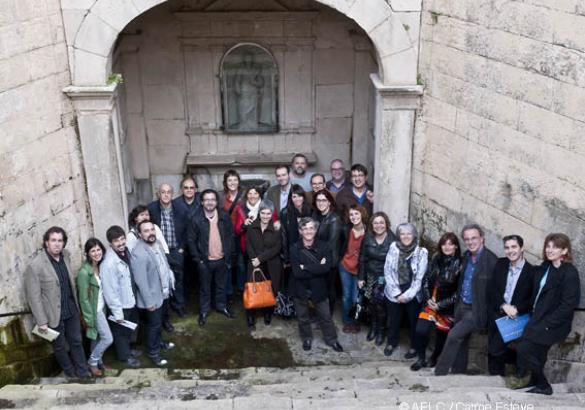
<point x="88" y="289"/>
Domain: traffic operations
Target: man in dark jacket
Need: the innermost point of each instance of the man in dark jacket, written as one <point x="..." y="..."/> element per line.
<point x="311" y="262"/>
<point x="471" y="309"/>
<point x="173" y="224"/>
<point x="210" y="239"/>
<point x="357" y="193"/>
<point x="509" y="293"/>
<point x="50" y="292"/>
<point x="278" y="194"/>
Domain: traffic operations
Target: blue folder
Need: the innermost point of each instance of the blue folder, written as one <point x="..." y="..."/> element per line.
<point x="512" y="329"/>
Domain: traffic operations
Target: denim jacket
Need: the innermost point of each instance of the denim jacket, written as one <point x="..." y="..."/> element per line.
<point x="117" y="284"/>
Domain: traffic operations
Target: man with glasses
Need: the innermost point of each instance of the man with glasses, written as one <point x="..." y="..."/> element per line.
<point x="317" y="184"/>
<point x="210" y="239"/>
<point x="189" y="201"/>
<point x="338" y="180"/>
<point x="471" y="311"/>
<point x="357" y="193"/>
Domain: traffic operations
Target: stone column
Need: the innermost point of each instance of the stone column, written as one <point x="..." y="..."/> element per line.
<point x="95" y="107"/>
<point x="394" y="130"/>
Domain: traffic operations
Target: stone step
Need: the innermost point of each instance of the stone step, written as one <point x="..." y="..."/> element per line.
<point x="369" y="385"/>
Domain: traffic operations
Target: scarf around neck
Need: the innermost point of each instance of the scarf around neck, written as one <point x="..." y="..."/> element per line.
<point x="253" y="209"/>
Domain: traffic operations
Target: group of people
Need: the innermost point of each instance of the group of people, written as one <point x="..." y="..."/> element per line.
<point x="308" y="236"/>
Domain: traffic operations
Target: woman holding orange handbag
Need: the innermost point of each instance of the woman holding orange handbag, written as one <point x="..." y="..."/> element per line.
<point x="440" y="291"/>
<point x="263" y="248"/>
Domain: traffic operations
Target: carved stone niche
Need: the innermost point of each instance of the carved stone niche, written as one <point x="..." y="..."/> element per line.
<point x="285" y="123"/>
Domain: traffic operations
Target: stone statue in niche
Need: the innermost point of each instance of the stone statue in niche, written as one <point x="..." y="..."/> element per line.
<point x="249" y="85"/>
<point x="249" y="98"/>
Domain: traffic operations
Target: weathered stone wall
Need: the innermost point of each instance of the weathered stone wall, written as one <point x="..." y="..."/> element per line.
<point x="500" y="139"/>
<point x="41" y="177"/>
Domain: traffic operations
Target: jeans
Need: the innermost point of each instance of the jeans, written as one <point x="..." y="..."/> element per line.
<point x="103" y="341"/>
<point x="153" y="331"/>
<point x="72" y="362"/>
<point x="216" y="270"/>
<point x="323" y="314"/>
<point x="349" y="295"/>
<point x="123" y="335"/>
<point x="176" y="262"/>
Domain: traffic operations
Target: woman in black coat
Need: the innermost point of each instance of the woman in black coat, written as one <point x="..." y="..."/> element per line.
<point x="330" y="227"/>
<point x="371" y="272"/>
<point x="556" y="294"/>
<point x="263" y="249"/>
<point x="439" y="290"/>
<point x="296" y="208"/>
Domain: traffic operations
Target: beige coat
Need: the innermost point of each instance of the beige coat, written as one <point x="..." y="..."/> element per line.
<point x="43" y="293"/>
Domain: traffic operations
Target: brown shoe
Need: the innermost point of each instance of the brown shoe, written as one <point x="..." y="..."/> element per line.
<point x="356" y="328"/>
<point x="95" y="371"/>
<point x="347" y="329"/>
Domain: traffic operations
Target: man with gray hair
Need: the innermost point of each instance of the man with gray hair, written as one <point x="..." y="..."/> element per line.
<point x="311" y="262"/>
<point x="471" y="311"/>
<point x="173" y="224"/>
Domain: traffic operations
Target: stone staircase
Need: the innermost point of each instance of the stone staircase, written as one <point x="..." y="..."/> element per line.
<point x="372" y="385"/>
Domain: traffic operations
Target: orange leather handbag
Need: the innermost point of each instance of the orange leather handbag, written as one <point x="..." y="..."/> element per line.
<point x="258" y="294"/>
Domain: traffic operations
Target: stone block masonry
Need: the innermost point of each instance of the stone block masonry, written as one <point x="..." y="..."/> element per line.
<point x="500" y="137"/>
<point x="41" y="178"/>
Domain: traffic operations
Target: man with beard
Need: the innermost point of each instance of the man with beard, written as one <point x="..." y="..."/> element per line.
<point x="210" y="239"/>
<point x="356" y="193"/>
<point x="51" y="295"/>
<point x="299" y="174"/>
<point x="115" y="272"/>
<point x="153" y="278"/>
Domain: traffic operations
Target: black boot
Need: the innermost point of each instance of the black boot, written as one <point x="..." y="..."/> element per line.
<point x="251" y="319"/>
<point x="371" y="333"/>
<point x="380" y="336"/>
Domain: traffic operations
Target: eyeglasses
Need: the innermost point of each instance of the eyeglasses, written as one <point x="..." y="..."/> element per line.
<point x="322" y="200"/>
<point x="337" y="169"/>
<point x="188" y="187"/>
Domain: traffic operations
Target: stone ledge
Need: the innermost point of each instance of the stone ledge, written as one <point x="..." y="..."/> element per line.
<point x="223" y="160"/>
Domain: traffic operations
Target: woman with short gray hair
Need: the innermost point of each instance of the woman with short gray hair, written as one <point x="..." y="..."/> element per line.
<point x="405" y="267"/>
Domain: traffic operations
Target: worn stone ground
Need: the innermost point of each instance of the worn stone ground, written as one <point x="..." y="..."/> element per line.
<point x="268" y="368"/>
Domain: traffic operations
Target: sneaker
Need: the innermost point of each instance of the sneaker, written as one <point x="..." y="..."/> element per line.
<point x="132" y="362"/>
<point x="135" y="353"/>
<point x="167" y="345"/>
<point x="159" y="361"/>
<point x="95" y="371"/>
<point x="307" y="345"/>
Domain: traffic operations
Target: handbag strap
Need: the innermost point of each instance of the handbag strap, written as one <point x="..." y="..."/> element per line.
<point x="257" y="270"/>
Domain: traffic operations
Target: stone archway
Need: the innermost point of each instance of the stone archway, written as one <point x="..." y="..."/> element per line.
<point x="92" y="29"/>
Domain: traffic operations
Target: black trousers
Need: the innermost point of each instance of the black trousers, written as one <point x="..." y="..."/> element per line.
<point x="216" y="271"/>
<point x="323" y="315"/>
<point x="123" y="335"/>
<point x="395" y="312"/>
<point x="73" y="362"/>
<point x="498" y="352"/>
<point x="423" y="332"/>
<point x="455" y="353"/>
<point x="532" y="356"/>
<point x="176" y="262"/>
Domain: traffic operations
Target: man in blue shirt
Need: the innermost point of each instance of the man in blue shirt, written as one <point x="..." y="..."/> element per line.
<point x="471" y="309"/>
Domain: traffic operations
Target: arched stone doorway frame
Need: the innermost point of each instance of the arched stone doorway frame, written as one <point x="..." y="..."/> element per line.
<point x="92" y="28"/>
